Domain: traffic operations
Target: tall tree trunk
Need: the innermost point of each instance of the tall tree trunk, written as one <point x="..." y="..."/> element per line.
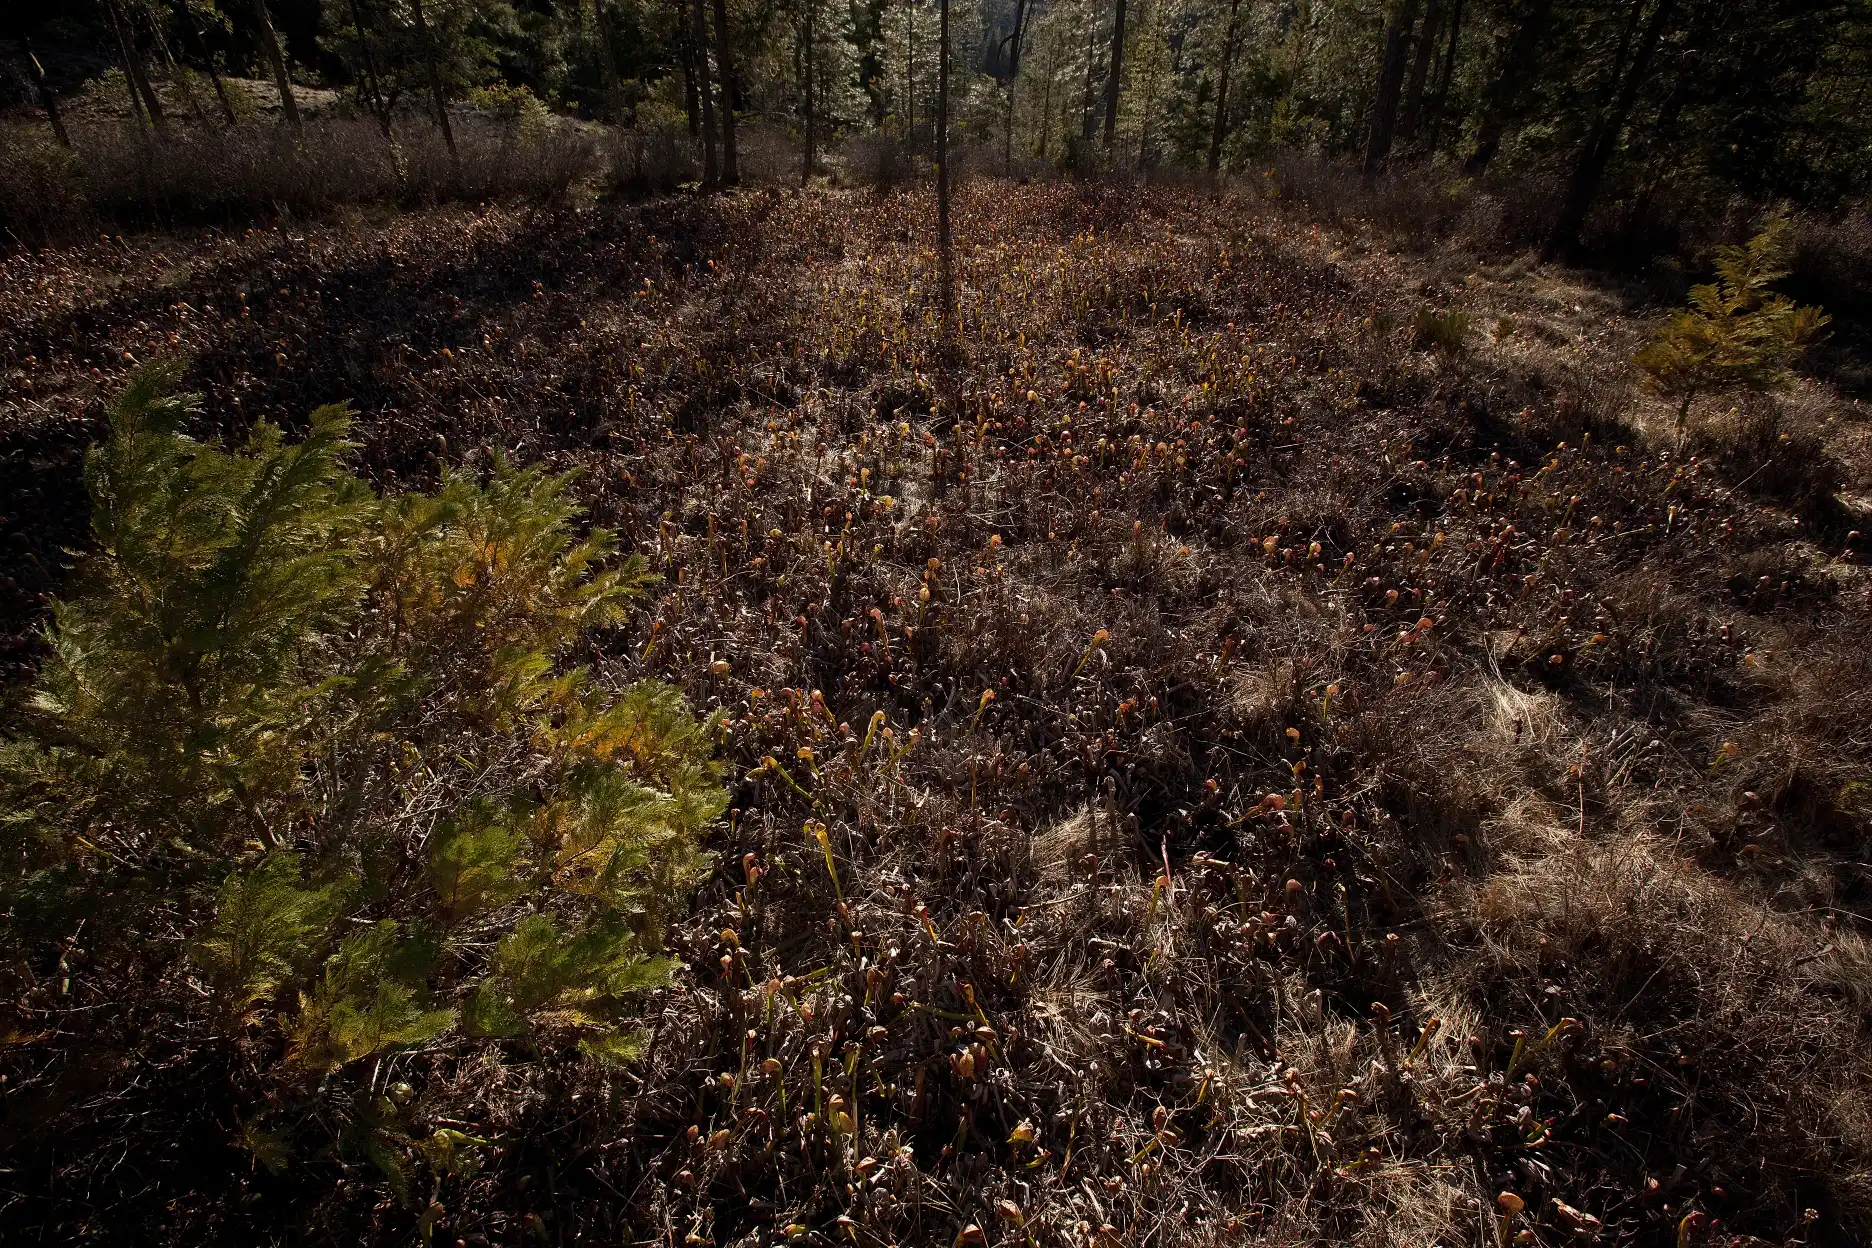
<point x="1046" y="95"/>
<point x="269" y="43"/>
<point x="607" y="64"/>
<point x="1152" y="73"/>
<point x="1088" y="119"/>
<point x="686" y="42"/>
<point x="207" y="55"/>
<point x="1219" y="131"/>
<point x="378" y="107"/>
<point x="1012" y="82"/>
<point x="1014" y="40"/>
<point x="1390" y="87"/>
<point x="221" y="90"/>
<point x="1596" y="153"/>
<point x="724" y="65"/>
<point x="435" y="81"/>
<point x="135" y="70"/>
<point x="698" y="26"/>
<point x="138" y="113"/>
<point x="1116" y="76"/>
<point x="47" y="100"/>
<point x="1663" y="141"/>
<point x="1420" y="71"/>
<point x="170" y="67"/>
<point x="807" y="168"/>
<point x="945" y="251"/>
<point x="1439" y="94"/>
<point x="1505" y="93"/>
<point x="1007" y="132"/>
<point x="1615" y="77"/>
<point x="910" y="69"/>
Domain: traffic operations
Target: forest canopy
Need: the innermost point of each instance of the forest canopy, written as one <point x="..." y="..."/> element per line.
<point x="1618" y="113"/>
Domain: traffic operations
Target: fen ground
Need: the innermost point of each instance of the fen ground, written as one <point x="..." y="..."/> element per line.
<point x="1283" y="780"/>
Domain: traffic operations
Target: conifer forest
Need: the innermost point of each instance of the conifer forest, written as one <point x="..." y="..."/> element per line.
<point x="936" y="623"/>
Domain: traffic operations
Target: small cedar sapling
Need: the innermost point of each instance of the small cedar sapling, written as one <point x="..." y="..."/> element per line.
<point x="1736" y="334"/>
<point x="319" y="756"/>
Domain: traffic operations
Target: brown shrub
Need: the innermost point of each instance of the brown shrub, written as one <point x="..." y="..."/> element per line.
<point x="117" y="175"/>
<point x="881" y="162"/>
<point x="649" y="162"/>
<point x="41" y="188"/>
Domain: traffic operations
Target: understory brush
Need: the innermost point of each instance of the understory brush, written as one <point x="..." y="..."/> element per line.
<point x="116" y="175"/>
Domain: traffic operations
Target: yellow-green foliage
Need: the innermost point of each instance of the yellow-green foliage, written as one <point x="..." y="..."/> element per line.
<point x="1442" y="331"/>
<point x="1736" y="334"/>
<point x="516" y="104"/>
<point x="322" y="751"/>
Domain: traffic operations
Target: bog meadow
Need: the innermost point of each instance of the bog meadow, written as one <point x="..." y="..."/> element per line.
<point x="1036" y="623"/>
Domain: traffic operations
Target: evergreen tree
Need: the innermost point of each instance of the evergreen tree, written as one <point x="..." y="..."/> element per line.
<point x="1736" y="334"/>
<point x="320" y="752"/>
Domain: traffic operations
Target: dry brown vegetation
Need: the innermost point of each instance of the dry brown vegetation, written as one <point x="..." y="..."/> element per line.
<point x="1219" y="756"/>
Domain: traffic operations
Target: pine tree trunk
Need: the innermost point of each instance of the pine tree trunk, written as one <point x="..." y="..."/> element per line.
<point x="1505" y="93"/>
<point x="1439" y="95"/>
<point x="1420" y="71"/>
<point x="378" y="107"/>
<point x="140" y="74"/>
<point x="201" y="45"/>
<point x="1390" y="88"/>
<point x="138" y="113"/>
<point x="1596" y="153"/>
<point x="269" y="43"/>
<point x="1151" y="75"/>
<point x="607" y="64"/>
<point x="692" y="106"/>
<point x="134" y="69"/>
<point x="806" y="170"/>
<point x="1660" y="160"/>
<point x="1012" y="83"/>
<point x="435" y="82"/>
<point x="945" y="252"/>
<point x="698" y="26"/>
<point x="47" y="100"/>
<point x="1007" y="133"/>
<point x="724" y="65"/>
<point x="1046" y="95"/>
<point x="170" y="67"/>
<point x="1220" y="130"/>
<point x="1115" y="78"/>
<point x="220" y="89"/>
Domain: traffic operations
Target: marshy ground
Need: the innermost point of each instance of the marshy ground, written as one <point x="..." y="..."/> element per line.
<point x="1263" y="737"/>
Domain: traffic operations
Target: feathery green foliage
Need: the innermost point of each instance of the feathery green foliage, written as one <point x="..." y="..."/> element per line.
<point x="370" y="999"/>
<point x="264" y="923"/>
<point x="186" y="681"/>
<point x="1737" y="334"/>
<point x="474" y="862"/>
<point x="268" y="668"/>
<point x="544" y="978"/>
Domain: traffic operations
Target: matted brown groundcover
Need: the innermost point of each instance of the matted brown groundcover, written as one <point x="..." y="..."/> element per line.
<point x="1254" y="738"/>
